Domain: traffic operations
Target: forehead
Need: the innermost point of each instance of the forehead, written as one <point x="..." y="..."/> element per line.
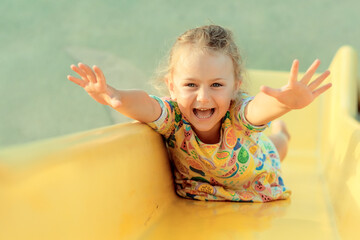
<point x="200" y="63"/>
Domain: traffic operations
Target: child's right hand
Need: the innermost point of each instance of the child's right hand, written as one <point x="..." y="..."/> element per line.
<point x="94" y="83"/>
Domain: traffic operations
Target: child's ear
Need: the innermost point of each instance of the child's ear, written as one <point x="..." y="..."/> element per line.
<point x="170" y="85"/>
<point x="238" y="85"/>
<point x="237" y="88"/>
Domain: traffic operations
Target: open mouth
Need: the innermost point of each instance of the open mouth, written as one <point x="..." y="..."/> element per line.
<point x="203" y="113"/>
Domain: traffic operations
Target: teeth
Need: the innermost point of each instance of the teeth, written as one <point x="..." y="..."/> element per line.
<point x="203" y="112"/>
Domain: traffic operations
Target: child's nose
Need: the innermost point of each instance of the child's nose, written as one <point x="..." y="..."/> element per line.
<point x="203" y="95"/>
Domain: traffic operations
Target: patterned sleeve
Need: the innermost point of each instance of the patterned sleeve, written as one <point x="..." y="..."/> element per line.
<point x="241" y="116"/>
<point x="164" y="123"/>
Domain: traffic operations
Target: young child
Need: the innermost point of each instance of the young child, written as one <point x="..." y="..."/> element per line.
<point x="213" y="131"/>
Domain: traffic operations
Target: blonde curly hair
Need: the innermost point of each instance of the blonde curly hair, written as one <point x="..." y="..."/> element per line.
<point x="205" y="38"/>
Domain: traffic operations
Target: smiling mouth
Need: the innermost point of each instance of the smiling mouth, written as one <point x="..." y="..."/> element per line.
<point x="203" y="113"/>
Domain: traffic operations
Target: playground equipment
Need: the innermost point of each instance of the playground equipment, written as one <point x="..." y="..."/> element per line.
<point x="115" y="182"/>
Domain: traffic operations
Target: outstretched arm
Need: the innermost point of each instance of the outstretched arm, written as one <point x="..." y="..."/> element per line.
<point x="135" y="104"/>
<point x="270" y="103"/>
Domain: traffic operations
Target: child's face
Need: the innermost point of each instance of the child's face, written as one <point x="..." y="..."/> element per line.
<point x="203" y="84"/>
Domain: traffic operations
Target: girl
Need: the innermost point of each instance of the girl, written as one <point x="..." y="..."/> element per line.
<point x="214" y="131"/>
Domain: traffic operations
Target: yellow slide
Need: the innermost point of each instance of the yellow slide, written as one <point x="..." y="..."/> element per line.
<point x="116" y="183"/>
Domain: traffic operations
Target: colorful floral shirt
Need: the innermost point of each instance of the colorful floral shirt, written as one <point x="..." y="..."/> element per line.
<point x="243" y="166"/>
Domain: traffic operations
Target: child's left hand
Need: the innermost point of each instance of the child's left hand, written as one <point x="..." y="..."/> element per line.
<point x="299" y="94"/>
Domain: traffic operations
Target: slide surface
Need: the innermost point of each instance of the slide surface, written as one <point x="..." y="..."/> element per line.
<point x="116" y="183"/>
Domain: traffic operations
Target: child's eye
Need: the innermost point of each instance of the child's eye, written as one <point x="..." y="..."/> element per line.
<point x="216" y="85"/>
<point x="190" y="85"/>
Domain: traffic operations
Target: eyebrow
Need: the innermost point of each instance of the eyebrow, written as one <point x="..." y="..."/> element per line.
<point x="211" y="80"/>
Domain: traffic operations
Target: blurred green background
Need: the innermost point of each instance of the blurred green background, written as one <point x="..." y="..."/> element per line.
<point x="40" y="39"/>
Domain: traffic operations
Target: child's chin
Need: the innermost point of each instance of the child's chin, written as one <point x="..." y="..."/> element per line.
<point x="204" y="127"/>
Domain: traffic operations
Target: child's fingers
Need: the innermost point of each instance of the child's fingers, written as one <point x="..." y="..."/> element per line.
<point x="99" y="75"/>
<point x="319" y="80"/>
<point x="80" y="72"/>
<point x="90" y="74"/>
<point x="79" y="82"/>
<point x="270" y="91"/>
<point x="294" y="72"/>
<point x="319" y="91"/>
<point x="310" y="72"/>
